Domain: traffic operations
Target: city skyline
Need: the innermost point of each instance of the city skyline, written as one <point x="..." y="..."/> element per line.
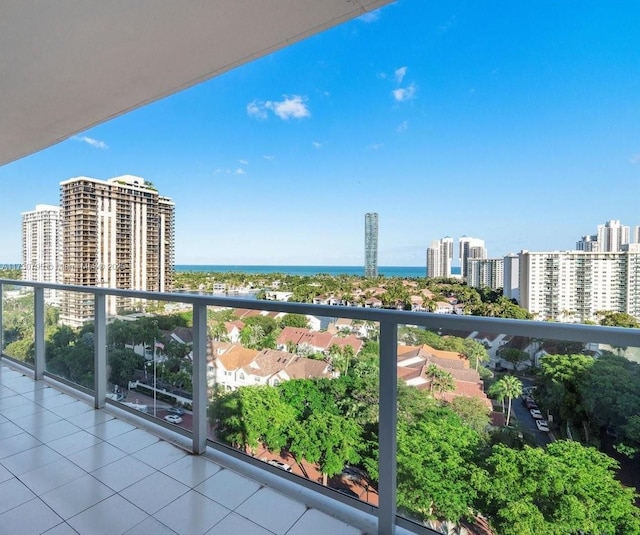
<point x="444" y="119"/>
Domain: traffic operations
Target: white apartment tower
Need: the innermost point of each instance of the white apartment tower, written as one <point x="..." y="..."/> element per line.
<point x="511" y="277"/>
<point x="612" y="236"/>
<point x="485" y="273"/>
<point x="572" y="286"/>
<point x="42" y="247"/>
<point x="117" y="233"/>
<point x="440" y="258"/>
<point x="470" y="248"/>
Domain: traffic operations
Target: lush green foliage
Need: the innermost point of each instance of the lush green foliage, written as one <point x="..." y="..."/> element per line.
<point x="564" y="489"/>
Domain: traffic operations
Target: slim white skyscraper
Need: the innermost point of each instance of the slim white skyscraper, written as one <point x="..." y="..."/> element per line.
<point x="371" y="244"/>
<point x="485" y="273"/>
<point x="440" y="258"/>
<point x="470" y="248"/>
<point x="42" y="247"/>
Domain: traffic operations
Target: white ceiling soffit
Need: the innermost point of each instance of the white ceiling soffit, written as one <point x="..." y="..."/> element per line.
<point x="67" y="65"/>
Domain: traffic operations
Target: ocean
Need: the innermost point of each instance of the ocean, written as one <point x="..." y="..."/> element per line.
<point x="387" y="271"/>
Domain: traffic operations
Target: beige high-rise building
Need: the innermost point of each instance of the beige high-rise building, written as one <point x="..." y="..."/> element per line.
<point x="117" y="233"/>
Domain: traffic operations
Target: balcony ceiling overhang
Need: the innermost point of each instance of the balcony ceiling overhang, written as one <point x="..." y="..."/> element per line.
<point x="68" y="65"/>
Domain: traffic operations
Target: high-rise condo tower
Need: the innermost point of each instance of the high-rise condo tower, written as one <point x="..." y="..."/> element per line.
<point x="371" y="244"/>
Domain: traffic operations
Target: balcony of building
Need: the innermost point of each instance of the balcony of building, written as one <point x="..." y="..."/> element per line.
<point x="76" y="456"/>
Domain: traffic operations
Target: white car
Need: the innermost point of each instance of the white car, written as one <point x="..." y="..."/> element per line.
<point x="173" y="419"/>
<point x="536" y="414"/>
<point x="281" y="465"/>
<point x="542" y="425"/>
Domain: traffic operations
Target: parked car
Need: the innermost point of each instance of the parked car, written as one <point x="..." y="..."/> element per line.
<point x="542" y="425"/>
<point x="176" y="410"/>
<point x="536" y="414"/>
<point x="529" y="403"/>
<point x="351" y="472"/>
<point x="173" y="419"/>
<point x="279" y="464"/>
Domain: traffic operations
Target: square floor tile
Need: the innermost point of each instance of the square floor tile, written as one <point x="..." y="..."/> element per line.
<point x="17" y="443"/>
<point x="234" y="523"/>
<point x="71" y="409"/>
<point x="51" y="476"/>
<point x="315" y="522"/>
<point x="133" y="441"/>
<point x="74" y="497"/>
<point x="54" y="431"/>
<point x="123" y="473"/>
<point x="60" y="400"/>
<point x="10" y="402"/>
<point x="272" y="510"/>
<point x="36" y="421"/>
<point x="112" y="516"/>
<point x="191" y="469"/>
<point x="4" y="474"/>
<point x="88" y="420"/>
<point x="160" y="454"/>
<point x="97" y="456"/>
<point x="154" y="492"/>
<point x="151" y="526"/>
<point x="30" y="518"/>
<point x="228" y="488"/>
<point x="192" y="513"/>
<point x="31" y="459"/>
<point x="13" y="493"/>
<point x="26" y="409"/>
<point x="72" y="443"/>
<point x="110" y="429"/>
<point x="41" y="395"/>
<point x="9" y="429"/>
<point x="61" y="529"/>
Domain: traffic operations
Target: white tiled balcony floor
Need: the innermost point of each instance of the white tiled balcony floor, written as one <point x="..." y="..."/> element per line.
<point x="66" y="468"/>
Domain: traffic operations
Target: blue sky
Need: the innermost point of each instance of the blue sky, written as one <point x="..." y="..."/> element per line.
<point x="515" y="122"/>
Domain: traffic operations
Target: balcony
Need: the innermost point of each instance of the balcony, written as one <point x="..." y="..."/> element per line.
<point x="72" y="457"/>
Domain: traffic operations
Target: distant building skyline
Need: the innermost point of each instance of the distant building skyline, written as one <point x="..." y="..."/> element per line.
<point x="371" y="244"/>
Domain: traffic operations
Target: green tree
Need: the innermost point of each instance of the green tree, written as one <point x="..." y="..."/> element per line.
<point x="565" y="489"/>
<point x="508" y="387"/>
<point x="294" y="320"/>
<point x="472" y="411"/>
<point x="435" y="466"/>
<point x="618" y="319"/>
<point x="514" y="356"/>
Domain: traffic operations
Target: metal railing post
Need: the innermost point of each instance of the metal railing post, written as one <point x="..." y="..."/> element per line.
<point x="100" y="351"/>
<point x="1" y="322"/>
<point x="387" y="426"/>
<point x="199" y="378"/>
<point x="38" y="313"/>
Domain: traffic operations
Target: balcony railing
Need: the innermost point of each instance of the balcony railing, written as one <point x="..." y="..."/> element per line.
<point x="388" y="321"/>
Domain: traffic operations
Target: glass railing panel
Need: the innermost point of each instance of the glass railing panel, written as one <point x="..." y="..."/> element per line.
<point x="18" y="325"/>
<point x="298" y="392"/>
<point x="149" y="359"/>
<point x="69" y="336"/>
<point x="541" y="412"/>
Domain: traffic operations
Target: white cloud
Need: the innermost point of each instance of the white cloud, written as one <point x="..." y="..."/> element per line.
<point x="635" y="158"/>
<point x="375" y="146"/>
<point x="269" y="157"/>
<point x="402" y="126"/>
<point x="381" y="75"/>
<point x="317" y="144"/>
<point x="256" y="109"/>
<point x="243" y="162"/>
<point x="239" y="171"/>
<point x="294" y="106"/>
<point x="403" y="94"/>
<point x="372" y="16"/>
<point x="91" y="141"/>
<point x="399" y="74"/>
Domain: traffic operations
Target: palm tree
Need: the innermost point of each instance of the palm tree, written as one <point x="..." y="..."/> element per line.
<point x="508" y="387"/>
